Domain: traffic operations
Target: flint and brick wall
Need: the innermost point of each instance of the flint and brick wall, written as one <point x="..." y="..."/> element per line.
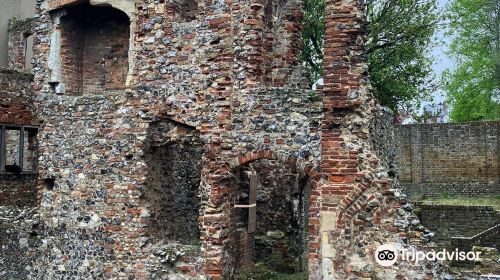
<point x="231" y="73"/>
<point x="200" y="72"/>
<point x="457" y="221"/>
<point x="16" y="98"/>
<point x="174" y="182"/>
<point x="20" y="9"/>
<point x="19" y="31"/>
<point x="16" y="108"/>
<point x="455" y="159"/>
<point x="18" y="189"/>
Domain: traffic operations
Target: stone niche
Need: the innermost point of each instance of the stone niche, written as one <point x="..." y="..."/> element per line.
<point x="174" y="153"/>
<point x="279" y="240"/>
<point x="94" y="48"/>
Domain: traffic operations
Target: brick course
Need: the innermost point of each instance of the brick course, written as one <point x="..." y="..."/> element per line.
<point x="16" y="99"/>
<point x="456" y="159"/>
<point x="230" y="72"/>
<point x="457" y="221"/>
<point x="18" y="189"/>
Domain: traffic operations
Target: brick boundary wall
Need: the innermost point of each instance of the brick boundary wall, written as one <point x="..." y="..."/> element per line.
<point x="457" y="221"/>
<point x="451" y="189"/>
<point x="458" y="159"/>
<point x="488" y="238"/>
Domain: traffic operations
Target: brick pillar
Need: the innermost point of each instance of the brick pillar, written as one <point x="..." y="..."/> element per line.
<point x="345" y="149"/>
<point x="344" y="69"/>
<point x="218" y="69"/>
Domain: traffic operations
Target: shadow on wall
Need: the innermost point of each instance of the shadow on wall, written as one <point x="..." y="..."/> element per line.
<point x="174" y="154"/>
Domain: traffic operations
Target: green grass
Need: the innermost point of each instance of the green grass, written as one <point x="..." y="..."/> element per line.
<point x="464" y="201"/>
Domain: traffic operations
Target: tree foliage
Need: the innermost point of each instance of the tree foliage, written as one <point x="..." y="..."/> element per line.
<point x="399" y="37"/>
<point x="473" y="86"/>
<point x="313" y="31"/>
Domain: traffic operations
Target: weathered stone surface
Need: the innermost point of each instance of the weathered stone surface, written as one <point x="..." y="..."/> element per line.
<point x="159" y="132"/>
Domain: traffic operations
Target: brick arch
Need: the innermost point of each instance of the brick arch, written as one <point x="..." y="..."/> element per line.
<point x="358" y="198"/>
<point x="317" y="181"/>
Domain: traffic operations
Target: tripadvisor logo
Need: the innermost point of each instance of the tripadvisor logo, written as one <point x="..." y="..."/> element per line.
<point x="388" y="254"/>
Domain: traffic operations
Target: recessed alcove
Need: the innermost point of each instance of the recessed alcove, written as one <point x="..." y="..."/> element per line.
<point x="94" y="44"/>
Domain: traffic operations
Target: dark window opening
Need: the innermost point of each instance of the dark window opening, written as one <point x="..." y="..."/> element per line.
<point x="49" y="183"/>
<point x="28" y="51"/>
<point x="18" y="149"/>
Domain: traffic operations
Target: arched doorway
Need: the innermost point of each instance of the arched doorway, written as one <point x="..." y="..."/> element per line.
<point x="269" y="219"/>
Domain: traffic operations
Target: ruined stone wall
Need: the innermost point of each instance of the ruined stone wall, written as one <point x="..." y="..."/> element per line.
<point x="383" y="138"/>
<point x="19" y="31"/>
<point x="16" y="98"/>
<point x="454" y="159"/>
<point x="93" y="144"/>
<point x="18" y="219"/>
<point x="20" y="10"/>
<point x="358" y="204"/>
<point x="457" y="221"/>
<point x="16" y="108"/>
<point x="19" y="227"/>
<point x="224" y="78"/>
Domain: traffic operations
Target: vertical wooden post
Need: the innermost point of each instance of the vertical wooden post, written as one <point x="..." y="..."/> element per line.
<point x="2" y="148"/>
<point x="252" y="201"/>
<point x="21" y="148"/>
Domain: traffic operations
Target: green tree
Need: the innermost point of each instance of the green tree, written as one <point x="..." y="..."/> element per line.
<point x="473" y="86"/>
<point x="399" y="38"/>
<point x="313" y="31"/>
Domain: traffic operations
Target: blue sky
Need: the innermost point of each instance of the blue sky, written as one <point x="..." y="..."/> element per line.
<point x="441" y="60"/>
